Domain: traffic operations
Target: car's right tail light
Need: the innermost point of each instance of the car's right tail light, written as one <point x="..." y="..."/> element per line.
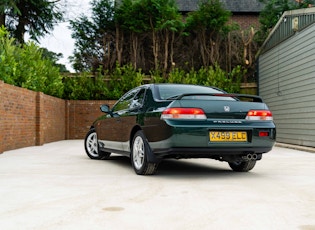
<point x="259" y="115"/>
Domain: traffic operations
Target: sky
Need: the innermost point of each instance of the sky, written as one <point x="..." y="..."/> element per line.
<point x="59" y="40"/>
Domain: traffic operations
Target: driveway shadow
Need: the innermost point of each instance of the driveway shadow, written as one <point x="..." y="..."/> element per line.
<point x="192" y="169"/>
<point x="183" y="168"/>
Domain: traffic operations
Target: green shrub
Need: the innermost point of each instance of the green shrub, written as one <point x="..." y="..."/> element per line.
<point x="8" y="54"/>
<point x="123" y="79"/>
<point x="212" y="76"/>
<point x="24" y="66"/>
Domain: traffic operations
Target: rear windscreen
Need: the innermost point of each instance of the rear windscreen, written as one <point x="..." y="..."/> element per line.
<point x="172" y="91"/>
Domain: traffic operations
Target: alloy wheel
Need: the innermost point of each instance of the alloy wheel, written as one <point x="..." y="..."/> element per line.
<point x="138" y="152"/>
<point x="92" y="145"/>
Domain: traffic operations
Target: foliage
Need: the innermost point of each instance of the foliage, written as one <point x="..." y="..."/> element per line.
<point x="8" y="54"/>
<point x="4" y="5"/>
<point x="85" y="87"/>
<point x="304" y="4"/>
<point x="210" y="16"/>
<point x="208" y="25"/>
<point x="153" y="35"/>
<point x="93" y="37"/>
<point x="211" y="76"/>
<point x="131" y="16"/>
<point x="54" y="57"/>
<point x="274" y="9"/>
<point x="35" y="17"/>
<point x="102" y="86"/>
<point x="24" y="66"/>
<point x="124" y="78"/>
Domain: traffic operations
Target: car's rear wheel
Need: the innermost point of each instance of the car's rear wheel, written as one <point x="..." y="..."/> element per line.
<point x="242" y="166"/>
<point x="139" y="155"/>
<point x="91" y="146"/>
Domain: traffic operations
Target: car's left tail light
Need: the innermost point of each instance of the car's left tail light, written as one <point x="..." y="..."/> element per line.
<point x="259" y="115"/>
<point x="184" y="113"/>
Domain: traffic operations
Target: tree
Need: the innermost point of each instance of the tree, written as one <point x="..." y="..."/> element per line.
<point x="37" y="17"/>
<point x="157" y="20"/>
<point x="152" y="35"/>
<point x="131" y="20"/>
<point x="274" y="9"/>
<point x="206" y="23"/>
<point x="94" y="38"/>
<point x="304" y="3"/>
<point x="165" y="20"/>
<point x="54" y="58"/>
<point x="131" y="27"/>
<point x="4" y="6"/>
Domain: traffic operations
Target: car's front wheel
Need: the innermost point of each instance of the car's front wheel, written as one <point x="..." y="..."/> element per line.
<point x="139" y="155"/>
<point x="242" y="166"/>
<point x="91" y="146"/>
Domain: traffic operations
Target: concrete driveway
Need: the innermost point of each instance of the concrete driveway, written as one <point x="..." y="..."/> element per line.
<point x="56" y="186"/>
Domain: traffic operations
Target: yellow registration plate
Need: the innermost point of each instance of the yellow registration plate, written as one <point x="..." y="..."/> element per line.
<point x="228" y="136"/>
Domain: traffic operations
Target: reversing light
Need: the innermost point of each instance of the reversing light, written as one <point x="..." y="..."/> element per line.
<point x="184" y="113"/>
<point x="259" y="115"/>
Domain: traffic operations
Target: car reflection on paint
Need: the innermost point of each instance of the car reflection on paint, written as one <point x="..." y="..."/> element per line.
<point x="157" y="121"/>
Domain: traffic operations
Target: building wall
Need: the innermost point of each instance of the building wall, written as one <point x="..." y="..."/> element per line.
<point x="287" y="83"/>
<point x="246" y="21"/>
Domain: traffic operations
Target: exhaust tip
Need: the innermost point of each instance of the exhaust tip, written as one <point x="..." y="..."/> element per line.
<point x="250" y="157"/>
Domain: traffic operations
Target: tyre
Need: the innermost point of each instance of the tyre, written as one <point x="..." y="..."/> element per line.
<point x="91" y="146"/>
<point x="243" y="166"/>
<point x="139" y="155"/>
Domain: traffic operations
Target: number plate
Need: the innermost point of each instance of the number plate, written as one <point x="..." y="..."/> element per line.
<point x="229" y="136"/>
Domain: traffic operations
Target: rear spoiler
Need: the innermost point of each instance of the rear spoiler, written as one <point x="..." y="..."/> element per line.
<point x="241" y="97"/>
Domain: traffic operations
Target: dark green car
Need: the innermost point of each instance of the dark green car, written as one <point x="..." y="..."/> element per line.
<point x="157" y="121"/>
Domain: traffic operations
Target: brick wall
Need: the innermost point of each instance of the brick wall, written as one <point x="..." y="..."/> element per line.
<point x="29" y="118"/>
<point x="81" y="115"/>
<point x="52" y="119"/>
<point x="17" y="117"/>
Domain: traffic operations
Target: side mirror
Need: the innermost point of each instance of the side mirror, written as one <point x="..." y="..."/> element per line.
<point x="105" y="109"/>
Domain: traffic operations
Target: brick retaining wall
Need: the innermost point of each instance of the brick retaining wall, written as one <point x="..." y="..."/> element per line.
<point x="81" y="114"/>
<point x="18" y="124"/>
<point x="29" y="118"/>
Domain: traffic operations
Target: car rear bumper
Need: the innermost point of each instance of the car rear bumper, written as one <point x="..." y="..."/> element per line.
<point x="194" y="142"/>
<point x="207" y="152"/>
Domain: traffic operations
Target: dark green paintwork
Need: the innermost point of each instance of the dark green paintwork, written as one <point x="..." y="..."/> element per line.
<point x="185" y="138"/>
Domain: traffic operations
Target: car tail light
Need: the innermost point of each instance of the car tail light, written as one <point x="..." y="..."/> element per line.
<point x="260" y="115"/>
<point x="183" y="113"/>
